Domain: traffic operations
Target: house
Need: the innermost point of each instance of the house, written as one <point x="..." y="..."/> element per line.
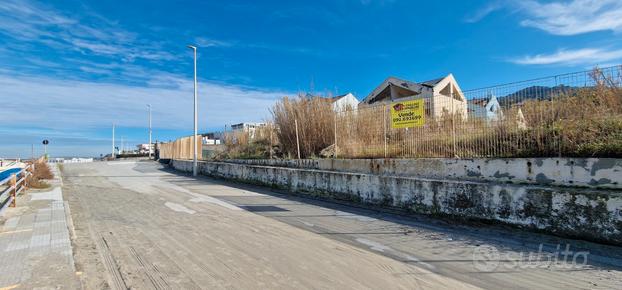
<point x="488" y="109"/>
<point x="344" y="102"/>
<point x="249" y="128"/>
<point x="339" y="103"/>
<point x="437" y="94"/>
<point x="213" y="138"/>
<point x="144" y="148"/>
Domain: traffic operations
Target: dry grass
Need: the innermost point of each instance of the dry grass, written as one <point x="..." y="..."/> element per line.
<point x="315" y="119"/>
<point x="584" y="122"/>
<point x="42" y="172"/>
<point x="244" y="145"/>
<point x="573" y="122"/>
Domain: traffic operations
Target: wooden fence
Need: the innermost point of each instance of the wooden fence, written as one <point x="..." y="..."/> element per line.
<point x="13" y="185"/>
<point x="180" y="148"/>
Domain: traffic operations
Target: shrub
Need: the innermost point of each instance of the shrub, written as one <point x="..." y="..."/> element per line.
<point x="42" y="172"/>
<point x="315" y="118"/>
<point x="244" y="145"/>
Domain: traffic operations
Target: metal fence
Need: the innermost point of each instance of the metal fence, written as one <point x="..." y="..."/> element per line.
<point x="575" y="114"/>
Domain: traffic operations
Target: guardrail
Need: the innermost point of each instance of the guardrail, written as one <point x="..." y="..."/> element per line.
<point x="15" y="184"/>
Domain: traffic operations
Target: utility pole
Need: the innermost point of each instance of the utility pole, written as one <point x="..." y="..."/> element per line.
<point x="112" y="155"/>
<point x="149" y="105"/>
<point x="194" y="137"/>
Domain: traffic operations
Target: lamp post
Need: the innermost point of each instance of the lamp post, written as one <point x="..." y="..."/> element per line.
<point x="149" y="146"/>
<point x="112" y="156"/>
<point x="194" y="137"/>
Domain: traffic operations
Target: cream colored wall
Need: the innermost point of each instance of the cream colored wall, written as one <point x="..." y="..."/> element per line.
<point x="441" y="101"/>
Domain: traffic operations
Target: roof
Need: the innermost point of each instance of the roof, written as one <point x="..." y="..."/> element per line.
<point x="416" y="88"/>
<point x="334" y="99"/>
<point x="479" y="102"/>
<point x="432" y="83"/>
<point x="327" y="99"/>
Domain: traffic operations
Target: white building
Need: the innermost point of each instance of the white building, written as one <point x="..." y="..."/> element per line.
<point x="489" y="109"/>
<point x="207" y="140"/>
<point x="72" y="160"/>
<point x="345" y="102"/>
<point x="144" y="148"/>
<point x="250" y="128"/>
<point x="442" y="95"/>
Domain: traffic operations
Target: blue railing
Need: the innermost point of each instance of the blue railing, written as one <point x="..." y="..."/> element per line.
<point x="12" y="184"/>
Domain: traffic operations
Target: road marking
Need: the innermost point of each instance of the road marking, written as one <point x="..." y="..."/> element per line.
<point x="10" y="287"/>
<point x="18" y="231"/>
<point x="347" y="215"/>
<point x="198" y="198"/>
<point x="382" y="248"/>
<point x="120" y="163"/>
<point x="204" y="198"/>
<point x="306" y="223"/>
<point x="414" y="259"/>
<point x="373" y="245"/>
<point x="179" y="208"/>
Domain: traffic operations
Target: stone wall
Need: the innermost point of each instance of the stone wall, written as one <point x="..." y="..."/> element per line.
<point x="575" y="172"/>
<point x="587" y="213"/>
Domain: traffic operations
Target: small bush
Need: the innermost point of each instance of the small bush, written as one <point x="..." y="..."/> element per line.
<point x="244" y="145"/>
<point x="316" y="123"/>
<point x="42" y="172"/>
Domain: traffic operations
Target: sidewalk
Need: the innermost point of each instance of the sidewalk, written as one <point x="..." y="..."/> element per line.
<point x="35" y="249"/>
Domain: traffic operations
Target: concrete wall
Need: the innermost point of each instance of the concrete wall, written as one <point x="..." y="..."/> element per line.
<point x="574" y="212"/>
<point x="575" y="172"/>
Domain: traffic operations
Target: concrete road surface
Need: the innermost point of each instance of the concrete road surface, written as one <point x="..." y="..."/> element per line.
<point x="138" y="225"/>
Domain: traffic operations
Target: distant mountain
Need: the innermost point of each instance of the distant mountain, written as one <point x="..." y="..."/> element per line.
<point x="535" y="93"/>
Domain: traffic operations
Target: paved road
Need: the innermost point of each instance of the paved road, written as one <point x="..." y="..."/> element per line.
<point x="138" y="225"/>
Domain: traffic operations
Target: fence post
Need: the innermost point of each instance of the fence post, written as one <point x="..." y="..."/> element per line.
<point x="25" y="183"/>
<point x="13" y="185"/>
<point x="453" y="121"/>
<point x="224" y="135"/>
<point x="559" y="134"/>
<point x="270" y="149"/>
<point x="297" y="139"/>
<point x="384" y="129"/>
<point x="335" y="155"/>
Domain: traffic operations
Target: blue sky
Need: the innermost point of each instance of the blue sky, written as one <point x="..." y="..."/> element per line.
<point x="69" y="69"/>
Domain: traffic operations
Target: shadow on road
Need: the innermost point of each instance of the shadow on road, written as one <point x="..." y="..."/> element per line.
<point x="474" y="233"/>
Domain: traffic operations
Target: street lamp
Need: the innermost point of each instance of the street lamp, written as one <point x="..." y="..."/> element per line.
<point x="194" y="137"/>
<point x="112" y="156"/>
<point x="149" y="146"/>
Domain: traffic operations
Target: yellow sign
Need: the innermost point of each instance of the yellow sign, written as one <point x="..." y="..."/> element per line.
<point x="407" y="114"/>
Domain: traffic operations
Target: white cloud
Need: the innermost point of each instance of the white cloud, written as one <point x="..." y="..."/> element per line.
<point x="560" y="17"/>
<point x="208" y="42"/>
<point x="484" y="11"/>
<point x="586" y="56"/>
<point x="30" y="22"/>
<point x="78" y="105"/>
<point x="573" y="17"/>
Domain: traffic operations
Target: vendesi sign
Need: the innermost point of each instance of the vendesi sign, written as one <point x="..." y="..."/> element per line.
<point x="408" y="114"/>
